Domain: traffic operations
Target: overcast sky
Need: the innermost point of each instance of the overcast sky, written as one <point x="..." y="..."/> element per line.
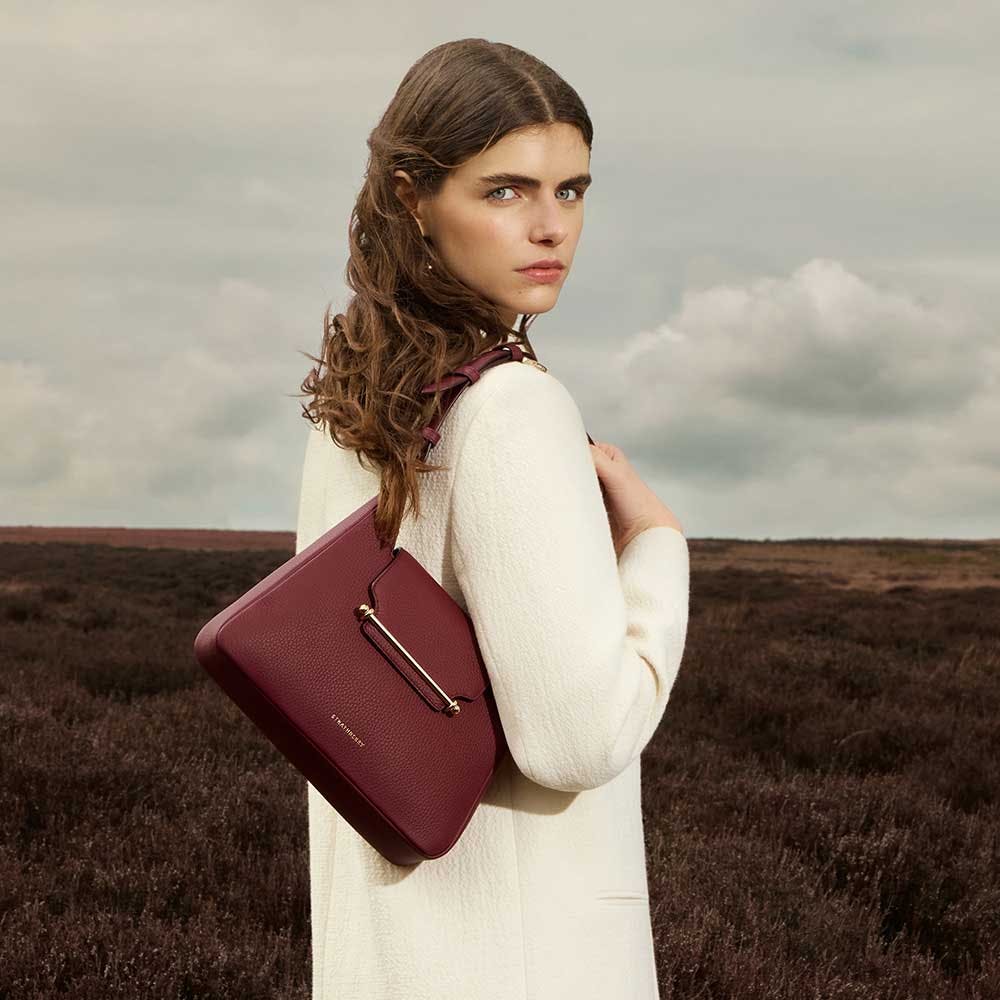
<point x="784" y="305"/>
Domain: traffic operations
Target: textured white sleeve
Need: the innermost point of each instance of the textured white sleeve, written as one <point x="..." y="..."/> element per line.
<point x="312" y="491"/>
<point x="582" y="650"/>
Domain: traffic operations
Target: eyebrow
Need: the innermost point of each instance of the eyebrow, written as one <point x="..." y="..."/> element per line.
<point x="521" y="180"/>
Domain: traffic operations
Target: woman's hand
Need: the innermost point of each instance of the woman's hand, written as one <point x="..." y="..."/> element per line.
<point x="631" y="505"/>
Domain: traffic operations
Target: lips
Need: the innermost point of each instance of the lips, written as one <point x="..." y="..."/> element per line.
<point x="545" y="275"/>
<point x="548" y="262"/>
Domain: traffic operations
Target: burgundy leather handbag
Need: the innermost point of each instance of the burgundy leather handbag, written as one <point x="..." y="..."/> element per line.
<point x="366" y="675"/>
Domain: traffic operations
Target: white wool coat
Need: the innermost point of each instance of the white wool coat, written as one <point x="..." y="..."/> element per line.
<point x="545" y="894"/>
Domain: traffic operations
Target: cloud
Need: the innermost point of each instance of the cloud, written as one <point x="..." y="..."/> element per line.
<point x="178" y="185"/>
<point x="815" y="384"/>
<point x="162" y="438"/>
<point x="32" y="409"/>
<point x="820" y="343"/>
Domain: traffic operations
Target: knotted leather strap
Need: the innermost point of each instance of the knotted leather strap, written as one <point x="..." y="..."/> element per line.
<point x="460" y="379"/>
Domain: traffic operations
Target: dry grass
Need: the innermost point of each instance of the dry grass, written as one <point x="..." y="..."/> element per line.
<point x="820" y="803"/>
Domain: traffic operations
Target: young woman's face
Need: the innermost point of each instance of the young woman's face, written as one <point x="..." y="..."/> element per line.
<point x="519" y="202"/>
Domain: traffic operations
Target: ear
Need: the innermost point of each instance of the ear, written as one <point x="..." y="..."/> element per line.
<point x="407" y="194"/>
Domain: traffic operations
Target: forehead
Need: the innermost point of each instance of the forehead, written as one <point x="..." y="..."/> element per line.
<point x="549" y="153"/>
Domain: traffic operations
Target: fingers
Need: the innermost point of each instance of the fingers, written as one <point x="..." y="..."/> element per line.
<point x="609" y="451"/>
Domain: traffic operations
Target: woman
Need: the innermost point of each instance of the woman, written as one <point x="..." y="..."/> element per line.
<point x="574" y="573"/>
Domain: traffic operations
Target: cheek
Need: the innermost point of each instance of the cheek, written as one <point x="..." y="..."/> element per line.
<point x="498" y="226"/>
<point x="484" y="233"/>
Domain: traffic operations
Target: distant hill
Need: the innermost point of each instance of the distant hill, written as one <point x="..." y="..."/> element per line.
<point x="154" y="538"/>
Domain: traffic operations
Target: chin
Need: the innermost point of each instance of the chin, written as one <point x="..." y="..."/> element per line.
<point x="537" y="300"/>
<point x="543" y="305"/>
<point x="539" y="309"/>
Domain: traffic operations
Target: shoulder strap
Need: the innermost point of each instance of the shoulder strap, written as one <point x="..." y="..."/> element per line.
<point x="461" y="378"/>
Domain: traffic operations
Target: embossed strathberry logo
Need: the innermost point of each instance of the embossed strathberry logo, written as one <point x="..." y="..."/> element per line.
<point x="350" y="732"/>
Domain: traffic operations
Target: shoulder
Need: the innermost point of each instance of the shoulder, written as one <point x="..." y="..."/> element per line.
<point x="519" y="388"/>
<point x="517" y="414"/>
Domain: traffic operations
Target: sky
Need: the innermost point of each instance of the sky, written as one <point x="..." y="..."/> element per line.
<point x="783" y="307"/>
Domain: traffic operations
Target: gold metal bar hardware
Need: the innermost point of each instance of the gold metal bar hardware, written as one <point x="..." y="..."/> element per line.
<point x="362" y="612"/>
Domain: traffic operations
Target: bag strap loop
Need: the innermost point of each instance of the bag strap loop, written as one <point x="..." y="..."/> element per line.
<point x="460" y="379"/>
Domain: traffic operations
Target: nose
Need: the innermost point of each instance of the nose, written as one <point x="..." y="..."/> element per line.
<point x="548" y="224"/>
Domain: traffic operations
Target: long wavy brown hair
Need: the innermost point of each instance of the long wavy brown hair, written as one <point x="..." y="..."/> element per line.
<point x="407" y="325"/>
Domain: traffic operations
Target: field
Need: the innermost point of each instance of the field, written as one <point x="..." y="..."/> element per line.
<point x="821" y="802"/>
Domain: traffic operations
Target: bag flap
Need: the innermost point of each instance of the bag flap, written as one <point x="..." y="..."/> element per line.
<point x="433" y="629"/>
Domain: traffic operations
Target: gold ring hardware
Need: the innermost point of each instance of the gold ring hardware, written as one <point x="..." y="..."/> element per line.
<point x="531" y="361"/>
<point x="362" y="612"/>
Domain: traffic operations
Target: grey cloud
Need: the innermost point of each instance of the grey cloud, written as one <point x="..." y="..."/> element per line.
<point x="804" y="195"/>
